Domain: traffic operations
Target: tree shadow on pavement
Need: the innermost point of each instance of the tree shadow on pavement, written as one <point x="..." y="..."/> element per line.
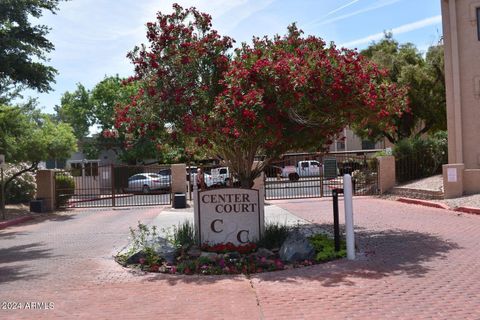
<point x="379" y="254"/>
<point x="16" y="254"/>
<point x="16" y="273"/>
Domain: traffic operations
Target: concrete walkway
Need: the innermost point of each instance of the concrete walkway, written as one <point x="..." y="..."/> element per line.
<point x="414" y="263"/>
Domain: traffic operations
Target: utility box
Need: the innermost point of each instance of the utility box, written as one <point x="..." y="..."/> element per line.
<point x="179" y="201"/>
<point x="38" y="206"/>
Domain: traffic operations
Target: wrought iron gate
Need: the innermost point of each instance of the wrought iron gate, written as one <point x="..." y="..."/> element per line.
<point x="89" y="185"/>
<point x="314" y="176"/>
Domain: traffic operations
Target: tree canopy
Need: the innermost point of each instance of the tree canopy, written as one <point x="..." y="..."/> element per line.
<point x="27" y="136"/>
<point x="76" y="109"/>
<point x="23" y="46"/>
<point x="265" y="98"/>
<point x="424" y="78"/>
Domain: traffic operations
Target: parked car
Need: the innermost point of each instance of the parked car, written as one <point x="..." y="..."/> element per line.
<point x="306" y="168"/>
<point x="217" y="177"/>
<point x="191" y="175"/>
<point x="146" y="182"/>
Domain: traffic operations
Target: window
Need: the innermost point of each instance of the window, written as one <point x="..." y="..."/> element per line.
<point x="368" y="145"/>
<point x="478" y="23"/>
<point x="91" y="169"/>
<point x="223" y="171"/>
<point x="340" y="145"/>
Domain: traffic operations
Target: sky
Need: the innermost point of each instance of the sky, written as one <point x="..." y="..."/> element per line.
<point x="92" y="37"/>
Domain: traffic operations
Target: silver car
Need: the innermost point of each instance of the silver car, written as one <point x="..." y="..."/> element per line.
<point x="147" y="182"/>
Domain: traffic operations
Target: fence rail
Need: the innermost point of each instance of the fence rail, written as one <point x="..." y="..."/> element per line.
<point x="316" y="175"/>
<point x="416" y="166"/>
<point x="113" y="186"/>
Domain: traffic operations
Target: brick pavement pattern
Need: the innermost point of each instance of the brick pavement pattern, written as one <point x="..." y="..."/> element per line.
<point x="413" y="263"/>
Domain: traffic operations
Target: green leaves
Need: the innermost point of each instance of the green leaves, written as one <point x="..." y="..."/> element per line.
<point x="23" y="46"/>
<point x="425" y="79"/>
<point x="29" y="137"/>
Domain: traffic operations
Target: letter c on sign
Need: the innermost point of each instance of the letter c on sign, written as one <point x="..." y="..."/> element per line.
<point x="212" y="226"/>
<point x="239" y="236"/>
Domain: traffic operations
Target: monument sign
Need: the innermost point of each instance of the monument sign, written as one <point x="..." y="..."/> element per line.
<point x="228" y="215"/>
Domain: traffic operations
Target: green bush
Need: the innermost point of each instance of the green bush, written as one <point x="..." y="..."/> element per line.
<point x="274" y="236"/>
<point x="21" y="189"/>
<point x="64" y="188"/>
<point x="325" y="248"/>
<point x="420" y="157"/>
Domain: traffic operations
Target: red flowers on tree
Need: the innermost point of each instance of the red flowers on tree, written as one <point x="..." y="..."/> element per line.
<point x="275" y="95"/>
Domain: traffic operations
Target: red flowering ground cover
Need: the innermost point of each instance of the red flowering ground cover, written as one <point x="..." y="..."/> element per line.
<point x="219" y="259"/>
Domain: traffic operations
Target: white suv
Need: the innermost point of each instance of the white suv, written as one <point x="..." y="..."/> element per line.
<point x="217" y="177"/>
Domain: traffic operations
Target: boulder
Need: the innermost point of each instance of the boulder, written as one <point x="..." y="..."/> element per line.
<point x="194" y="252"/>
<point x="162" y="247"/>
<point x="264" y="253"/>
<point x="135" y="258"/>
<point x="210" y="255"/>
<point x="296" y="247"/>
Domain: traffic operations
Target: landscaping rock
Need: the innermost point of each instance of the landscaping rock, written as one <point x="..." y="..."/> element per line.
<point x="161" y="247"/>
<point x="135" y="258"/>
<point x="263" y="252"/>
<point x="296" y="247"/>
<point x="194" y="252"/>
<point x="210" y="255"/>
<point x="164" y="249"/>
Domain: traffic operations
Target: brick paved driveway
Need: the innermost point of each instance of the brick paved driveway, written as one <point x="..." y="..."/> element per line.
<point x="415" y="263"/>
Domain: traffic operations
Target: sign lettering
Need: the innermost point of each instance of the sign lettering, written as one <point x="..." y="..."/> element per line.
<point x="228" y="215"/>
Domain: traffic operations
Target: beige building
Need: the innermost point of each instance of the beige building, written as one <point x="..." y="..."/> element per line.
<point x="349" y="141"/>
<point x="461" y="30"/>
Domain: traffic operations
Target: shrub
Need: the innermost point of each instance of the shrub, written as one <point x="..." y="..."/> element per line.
<point x="22" y="188"/>
<point x="420" y="157"/>
<point x="183" y="235"/>
<point x="64" y="188"/>
<point x="274" y="235"/>
<point x="325" y="248"/>
<point x="143" y="239"/>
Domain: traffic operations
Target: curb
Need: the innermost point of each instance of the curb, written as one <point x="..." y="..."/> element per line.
<point x="12" y="222"/>
<point x="426" y="203"/>
<point x="468" y="210"/>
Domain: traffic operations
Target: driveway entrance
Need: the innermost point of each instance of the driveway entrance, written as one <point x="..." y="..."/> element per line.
<point x="113" y="186"/>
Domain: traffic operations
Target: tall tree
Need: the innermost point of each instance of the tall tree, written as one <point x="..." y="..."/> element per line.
<point x="106" y="96"/>
<point x="24" y="47"/>
<point x="424" y="78"/>
<point x="271" y="96"/>
<point x="28" y="136"/>
<point x="76" y="109"/>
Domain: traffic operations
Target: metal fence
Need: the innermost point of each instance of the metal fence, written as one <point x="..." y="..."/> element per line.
<point x="316" y="175"/>
<point x="416" y="166"/>
<point x="113" y="186"/>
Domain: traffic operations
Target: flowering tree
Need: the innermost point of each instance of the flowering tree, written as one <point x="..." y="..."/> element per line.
<point x="266" y="98"/>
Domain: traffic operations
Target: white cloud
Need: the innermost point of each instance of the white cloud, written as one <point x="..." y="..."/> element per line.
<point x="341" y="8"/>
<point x="377" y="5"/>
<point x="396" y="31"/>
